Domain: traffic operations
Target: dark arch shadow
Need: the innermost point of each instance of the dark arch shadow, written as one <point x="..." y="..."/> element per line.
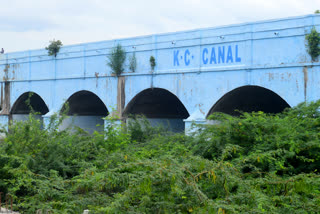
<point x="156" y="103"/>
<point x="28" y="102"/>
<point x="85" y="103"/>
<point x="160" y="107"/>
<point x="249" y="99"/>
<point x="86" y="110"/>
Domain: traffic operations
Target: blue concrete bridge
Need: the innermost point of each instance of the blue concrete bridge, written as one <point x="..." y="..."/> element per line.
<point x="253" y="66"/>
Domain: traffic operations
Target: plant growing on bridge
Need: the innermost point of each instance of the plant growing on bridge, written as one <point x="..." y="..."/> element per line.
<point x="152" y="62"/>
<point x="313" y="43"/>
<point x="317" y="11"/>
<point x="116" y="58"/>
<point x="54" y="47"/>
<point x="133" y="62"/>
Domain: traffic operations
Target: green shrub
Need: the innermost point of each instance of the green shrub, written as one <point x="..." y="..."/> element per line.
<point x="116" y="59"/>
<point x="313" y="44"/>
<point x="152" y="62"/>
<point x="140" y="129"/>
<point x="54" y="47"/>
<point x="255" y="163"/>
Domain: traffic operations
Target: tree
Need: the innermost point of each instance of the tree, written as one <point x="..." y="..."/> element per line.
<point x="54" y="47"/>
<point x="116" y="58"/>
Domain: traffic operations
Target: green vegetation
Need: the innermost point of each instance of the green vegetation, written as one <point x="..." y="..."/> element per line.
<point x="152" y="62"/>
<point x="317" y="11"/>
<point x="313" y="43"/>
<point x="133" y="62"/>
<point x="255" y="163"/>
<point x="54" y="47"/>
<point x="116" y="59"/>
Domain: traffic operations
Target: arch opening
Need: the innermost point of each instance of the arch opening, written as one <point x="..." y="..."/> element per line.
<point x="249" y="99"/>
<point x="160" y="107"/>
<point x="86" y="111"/>
<point x="28" y="102"/>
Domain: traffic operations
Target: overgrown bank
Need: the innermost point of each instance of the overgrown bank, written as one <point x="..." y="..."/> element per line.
<point x="256" y="163"/>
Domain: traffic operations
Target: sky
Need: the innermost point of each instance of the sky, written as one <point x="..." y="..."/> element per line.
<point x="31" y="24"/>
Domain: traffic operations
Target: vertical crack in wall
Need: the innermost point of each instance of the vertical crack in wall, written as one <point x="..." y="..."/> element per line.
<point x="121" y="96"/>
<point x="305" y="75"/>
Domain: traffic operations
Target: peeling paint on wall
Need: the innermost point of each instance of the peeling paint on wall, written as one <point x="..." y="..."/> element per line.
<point x="96" y="74"/>
<point x="6" y="72"/>
<point x="271" y="76"/>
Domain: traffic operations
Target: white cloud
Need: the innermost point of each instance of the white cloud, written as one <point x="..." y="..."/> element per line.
<point x="31" y="24"/>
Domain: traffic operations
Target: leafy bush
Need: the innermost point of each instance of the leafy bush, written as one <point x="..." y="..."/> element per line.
<point x="313" y="44"/>
<point x="255" y="163"/>
<point x="54" y="47"/>
<point x="140" y="129"/>
<point x="152" y="62"/>
<point x="116" y="58"/>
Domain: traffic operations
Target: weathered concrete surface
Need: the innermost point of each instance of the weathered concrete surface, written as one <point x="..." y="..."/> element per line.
<point x="199" y="68"/>
<point x="121" y="96"/>
<point x="87" y="123"/>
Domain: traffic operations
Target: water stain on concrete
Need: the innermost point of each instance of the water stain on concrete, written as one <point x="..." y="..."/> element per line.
<point x="305" y="75"/>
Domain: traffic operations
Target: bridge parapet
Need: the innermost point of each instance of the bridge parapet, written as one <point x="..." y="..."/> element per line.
<point x="241" y="46"/>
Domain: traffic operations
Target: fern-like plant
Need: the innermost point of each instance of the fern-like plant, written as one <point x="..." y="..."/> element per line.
<point x="116" y="58"/>
<point x="54" y="47"/>
<point x="313" y="44"/>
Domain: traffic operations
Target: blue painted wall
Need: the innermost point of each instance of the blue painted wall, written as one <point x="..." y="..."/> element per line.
<point x="198" y="67"/>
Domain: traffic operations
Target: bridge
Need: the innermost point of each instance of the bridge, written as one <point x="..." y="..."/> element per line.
<point x="250" y="67"/>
